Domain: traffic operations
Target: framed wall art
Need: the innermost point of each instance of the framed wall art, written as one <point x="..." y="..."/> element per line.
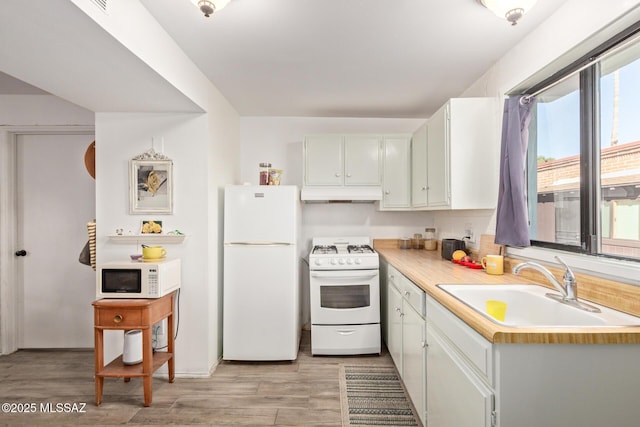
<point x="150" y="185"/>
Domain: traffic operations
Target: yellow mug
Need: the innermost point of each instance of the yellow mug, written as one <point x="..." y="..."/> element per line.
<point x="153" y="252"/>
<point x="493" y="264"/>
<point x="497" y="309"/>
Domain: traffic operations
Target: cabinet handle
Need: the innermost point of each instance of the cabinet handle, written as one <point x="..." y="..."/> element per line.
<point x="387" y="192"/>
<point x="424" y="344"/>
<point x="391" y="276"/>
<point x="337" y="175"/>
<point x="401" y="314"/>
<point x="398" y="309"/>
<point x="424" y="188"/>
<point x="117" y="318"/>
<point x="407" y="293"/>
<point x="348" y="175"/>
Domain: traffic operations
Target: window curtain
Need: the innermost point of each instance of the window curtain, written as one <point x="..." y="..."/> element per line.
<point x="512" y="218"/>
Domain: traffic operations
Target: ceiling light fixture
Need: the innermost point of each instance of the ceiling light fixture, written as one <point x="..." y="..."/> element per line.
<point x="511" y="10"/>
<point x="209" y="6"/>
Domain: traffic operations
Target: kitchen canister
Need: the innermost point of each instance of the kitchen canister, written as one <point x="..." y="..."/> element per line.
<point x="417" y="242"/>
<point x="430" y="242"/>
<point x="265" y="168"/>
<point x="405" y="243"/>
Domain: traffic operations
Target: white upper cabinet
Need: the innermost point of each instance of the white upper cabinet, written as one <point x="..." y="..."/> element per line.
<point x="419" y="168"/>
<point x="396" y="172"/>
<point x="438" y="190"/>
<point x="324" y="160"/>
<point x="463" y="150"/>
<point x="362" y="160"/>
<point x="337" y="160"/>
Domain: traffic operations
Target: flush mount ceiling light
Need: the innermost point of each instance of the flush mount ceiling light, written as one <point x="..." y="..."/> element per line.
<point x="209" y="6"/>
<point x="511" y="10"/>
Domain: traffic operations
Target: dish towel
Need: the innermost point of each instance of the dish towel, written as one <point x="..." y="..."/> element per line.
<point x="91" y="229"/>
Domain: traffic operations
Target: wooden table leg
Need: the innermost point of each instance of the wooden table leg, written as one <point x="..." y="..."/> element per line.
<point x="99" y="363"/>
<point x="171" y="346"/>
<point x="147" y="365"/>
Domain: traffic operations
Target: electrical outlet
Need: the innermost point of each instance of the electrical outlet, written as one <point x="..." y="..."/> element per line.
<point x="468" y="233"/>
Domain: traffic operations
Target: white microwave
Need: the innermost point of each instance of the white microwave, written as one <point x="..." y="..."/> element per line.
<point x="137" y="279"/>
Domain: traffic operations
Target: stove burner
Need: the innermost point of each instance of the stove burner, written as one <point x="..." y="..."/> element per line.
<point x="359" y="249"/>
<point x="325" y="249"/>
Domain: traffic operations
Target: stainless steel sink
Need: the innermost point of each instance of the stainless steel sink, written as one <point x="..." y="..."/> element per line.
<point x="527" y="306"/>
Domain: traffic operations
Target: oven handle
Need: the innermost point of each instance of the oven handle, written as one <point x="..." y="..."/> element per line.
<point x="349" y="275"/>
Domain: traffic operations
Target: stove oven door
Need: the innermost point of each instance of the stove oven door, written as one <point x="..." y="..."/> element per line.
<point x="347" y="297"/>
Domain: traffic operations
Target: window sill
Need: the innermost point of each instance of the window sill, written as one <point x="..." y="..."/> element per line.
<point x="607" y="268"/>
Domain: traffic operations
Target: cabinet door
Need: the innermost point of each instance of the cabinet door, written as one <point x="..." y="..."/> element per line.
<point x="413" y="357"/>
<point x="455" y="395"/>
<point x="395" y="172"/>
<point x="362" y="160"/>
<point x="438" y="158"/>
<point x="419" y="168"/>
<point x="394" y="317"/>
<point x="324" y="162"/>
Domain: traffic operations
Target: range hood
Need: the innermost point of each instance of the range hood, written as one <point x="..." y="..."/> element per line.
<point x="341" y="194"/>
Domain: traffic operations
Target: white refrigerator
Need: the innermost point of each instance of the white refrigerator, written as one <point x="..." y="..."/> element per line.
<point x="261" y="292"/>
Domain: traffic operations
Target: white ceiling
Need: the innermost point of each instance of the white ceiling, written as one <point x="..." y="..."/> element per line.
<point x="320" y="58"/>
<point x="343" y="58"/>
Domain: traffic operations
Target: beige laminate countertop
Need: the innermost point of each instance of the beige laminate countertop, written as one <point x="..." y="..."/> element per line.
<point x="427" y="269"/>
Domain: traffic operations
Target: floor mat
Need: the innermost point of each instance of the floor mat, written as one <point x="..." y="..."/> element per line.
<point x="374" y="396"/>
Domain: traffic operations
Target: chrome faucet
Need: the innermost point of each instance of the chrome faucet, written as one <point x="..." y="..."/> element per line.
<point x="568" y="289"/>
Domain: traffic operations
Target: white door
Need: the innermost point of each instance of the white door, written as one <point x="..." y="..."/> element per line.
<point x="345" y="297"/>
<point x="455" y="394"/>
<point x="362" y="160"/>
<point x="324" y="162"/>
<point x="56" y="200"/>
<point x="413" y="356"/>
<point x="261" y="312"/>
<point x="397" y="168"/>
<point x="261" y="214"/>
<point x="394" y="315"/>
<point x="438" y="158"/>
<point x="419" y="168"/>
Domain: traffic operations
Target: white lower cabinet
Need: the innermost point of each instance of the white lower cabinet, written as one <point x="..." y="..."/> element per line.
<point x="414" y="357"/>
<point x="472" y="382"/>
<point x="455" y="394"/>
<point x="406" y="335"/>
<point x="394" y="340"/>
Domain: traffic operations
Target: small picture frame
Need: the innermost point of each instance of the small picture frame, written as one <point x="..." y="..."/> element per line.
<point x="151" y="186"/>
<point x="151" y="226"/>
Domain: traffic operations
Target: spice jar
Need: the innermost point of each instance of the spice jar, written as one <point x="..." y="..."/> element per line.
<point x="405" y="243"/>
<point x="264" y="173"/>
<point x="430" y="242"/>
<point x="417" y="242"/>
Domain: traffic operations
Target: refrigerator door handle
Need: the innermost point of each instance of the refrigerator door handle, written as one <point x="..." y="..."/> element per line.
<point x="258" y="244"/>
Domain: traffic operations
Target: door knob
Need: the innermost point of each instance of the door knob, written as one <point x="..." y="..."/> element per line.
<point x="21" y="252"/>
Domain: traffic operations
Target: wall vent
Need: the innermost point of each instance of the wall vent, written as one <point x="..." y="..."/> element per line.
<point x="102" y="4"/>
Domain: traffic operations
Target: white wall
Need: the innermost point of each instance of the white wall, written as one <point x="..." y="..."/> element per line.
<point x="577" y="27"/>
<point x="278" y="140"/>
<point x="187" y="141"/>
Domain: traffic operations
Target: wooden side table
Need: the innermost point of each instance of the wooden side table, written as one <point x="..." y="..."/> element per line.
<point x="132" y="314"/>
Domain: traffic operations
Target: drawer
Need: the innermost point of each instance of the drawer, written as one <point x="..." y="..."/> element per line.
<point x="345" y="339"/>
<point x="415" y="296"/>
<point x="119" y="318"/>
<point x="471" y="345"/>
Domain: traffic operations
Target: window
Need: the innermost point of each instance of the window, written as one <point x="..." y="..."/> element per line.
<point x="584" y="158"/>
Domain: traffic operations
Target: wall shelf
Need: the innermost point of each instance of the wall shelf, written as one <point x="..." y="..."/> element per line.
<point x="148" y="238"/>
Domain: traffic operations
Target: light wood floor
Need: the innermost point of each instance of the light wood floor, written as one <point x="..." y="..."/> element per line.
<point x="300" y="393"/>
